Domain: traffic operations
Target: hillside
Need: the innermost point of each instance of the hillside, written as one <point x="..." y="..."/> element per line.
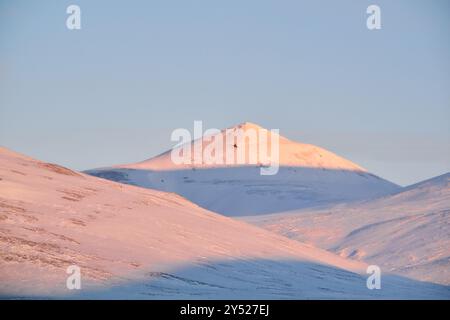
<point x="136" y="243"/>
<point x="308" y="176"/>
<point x="407" y="232"/>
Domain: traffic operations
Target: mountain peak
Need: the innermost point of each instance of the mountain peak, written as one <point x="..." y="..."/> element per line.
<point x="291" y="153"/>
<point x="248" y="125"/>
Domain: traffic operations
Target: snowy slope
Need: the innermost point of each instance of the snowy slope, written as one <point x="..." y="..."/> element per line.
<point x="137" y="243"/>
<point x="308" y="176"/>
<point x="407" y="232"/>
<point x="292" y="154"/>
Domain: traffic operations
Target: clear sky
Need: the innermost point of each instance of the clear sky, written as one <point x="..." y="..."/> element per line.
<point x="113" y="91"/>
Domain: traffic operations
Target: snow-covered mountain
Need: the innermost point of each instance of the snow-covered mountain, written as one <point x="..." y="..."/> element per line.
<point x="291" y="153"/>
<point x="136" y="243"/>
<point x="407" y="232"/>
<point x="308" y="176"/>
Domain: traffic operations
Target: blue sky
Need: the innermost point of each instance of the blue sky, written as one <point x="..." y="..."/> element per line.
<point x="113" y="91"/>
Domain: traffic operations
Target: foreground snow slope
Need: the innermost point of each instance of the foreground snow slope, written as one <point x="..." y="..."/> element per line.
<point x="308" y="176"/>
<point x="407" y="232"/>
<point x="137" y="243"/>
